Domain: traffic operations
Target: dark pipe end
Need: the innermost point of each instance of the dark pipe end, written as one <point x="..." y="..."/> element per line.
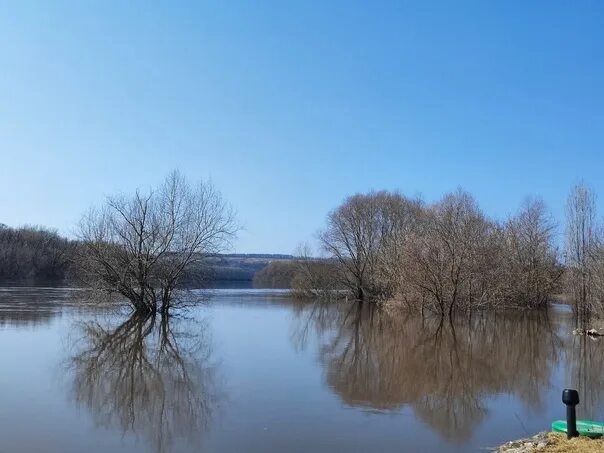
<point x="570" y="397"/>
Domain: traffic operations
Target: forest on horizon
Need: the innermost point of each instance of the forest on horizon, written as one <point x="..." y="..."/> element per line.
<point x="39" y="255"/>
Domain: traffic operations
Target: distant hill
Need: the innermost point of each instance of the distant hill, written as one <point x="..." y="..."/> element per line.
<point x="270" y="256"/>
<point x="240" y="266"/>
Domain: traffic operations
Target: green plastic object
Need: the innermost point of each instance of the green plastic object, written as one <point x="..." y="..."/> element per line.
<point x="585" y="428"/>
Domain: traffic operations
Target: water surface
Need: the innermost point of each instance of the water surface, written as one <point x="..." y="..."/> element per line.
<point x="253" y="371"/>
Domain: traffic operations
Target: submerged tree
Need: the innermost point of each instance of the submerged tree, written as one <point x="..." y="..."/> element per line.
<point x="581" y="243"/>
<point x="444" y="256"/>
<point x="315" y="277"/>
<point x="452" y="261"/>
<point x="141" y="246"/>
<point x="364" y="236"/>
<point x="531" y="269"/>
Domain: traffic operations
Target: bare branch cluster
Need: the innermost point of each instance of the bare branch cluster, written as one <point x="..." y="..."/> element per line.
<point x="314" y="277"/>
<point x="584" y="253"/>
<point x="442" y="256"/>
<point x="141" y="246"/>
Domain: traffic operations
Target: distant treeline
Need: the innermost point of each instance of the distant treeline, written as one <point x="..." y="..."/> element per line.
<point x="33" y="253"/>
<point x="266" y="256"/>
<point x="37" y="254"/>
<point x="277" y="274"/>
<point x="306" y="276"/>
<point x="240" y="267"/>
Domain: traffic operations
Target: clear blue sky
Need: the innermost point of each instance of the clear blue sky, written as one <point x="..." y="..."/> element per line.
<point x="290" y="106"/>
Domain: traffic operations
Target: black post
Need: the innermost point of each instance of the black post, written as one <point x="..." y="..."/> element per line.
<point x="570" y="397"/>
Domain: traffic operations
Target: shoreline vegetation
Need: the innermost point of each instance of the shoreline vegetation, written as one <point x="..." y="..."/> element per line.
<point x="552" y="443"/>
<point x="449" y="256"/>
<point x="442" y="257"/>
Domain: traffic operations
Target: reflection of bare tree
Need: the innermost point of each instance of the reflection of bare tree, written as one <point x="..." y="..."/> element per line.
<point x="143" y="376"/>
<point x="586" y="368"/>
<point x="312" y="319"/>
<point x="444" y="370"/>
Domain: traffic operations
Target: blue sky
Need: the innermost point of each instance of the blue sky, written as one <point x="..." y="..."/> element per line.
<point x="290" y="106"/>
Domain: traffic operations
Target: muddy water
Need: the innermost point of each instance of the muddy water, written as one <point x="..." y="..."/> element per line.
<point x="252" y="371"/>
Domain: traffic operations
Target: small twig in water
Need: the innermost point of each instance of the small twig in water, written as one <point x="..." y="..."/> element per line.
<point x="522" y="424"/>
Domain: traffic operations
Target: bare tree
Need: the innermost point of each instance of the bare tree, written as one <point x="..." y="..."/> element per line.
<point x="362" y="235"/>
<point x="141" y="246"/>
<point x="448" y="262"/>
<point x="315" y="276"/>
<point x="532" y="272"/>
<point x="581" y="239"/>
<point x="595" y="303"/>
<point x="400" y="218"/>
<point x="443" y="256"/>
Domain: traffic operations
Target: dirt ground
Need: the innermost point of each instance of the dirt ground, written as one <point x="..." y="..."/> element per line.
<point x="553" y="443"/>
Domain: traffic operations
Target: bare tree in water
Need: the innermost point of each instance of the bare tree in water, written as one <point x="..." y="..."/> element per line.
<point x="581" y="243"/>
<point x="362" y="235"/>
<point x="315" y="277"/>
<point x="140" y="246"/>
<point x="445" y="256"/>
<point x="451" y="260"/>
<point x="531" y="269"/>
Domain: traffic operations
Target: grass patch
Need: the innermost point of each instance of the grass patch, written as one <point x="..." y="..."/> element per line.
<point x="558" y="443"/>
<point x="553" y="443"/>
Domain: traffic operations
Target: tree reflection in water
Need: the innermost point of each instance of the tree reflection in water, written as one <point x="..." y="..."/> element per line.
<point x="586" y="374"/>
<point x="152" y="377"/>
<point x="444" y="371"/>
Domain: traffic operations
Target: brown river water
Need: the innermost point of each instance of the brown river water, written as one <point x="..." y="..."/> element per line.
<point x="254" y="371"/>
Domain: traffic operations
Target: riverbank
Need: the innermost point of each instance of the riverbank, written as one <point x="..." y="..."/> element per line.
<point x="553" y="443"/>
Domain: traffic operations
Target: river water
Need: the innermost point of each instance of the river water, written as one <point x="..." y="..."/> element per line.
<point x="254" y="371"/>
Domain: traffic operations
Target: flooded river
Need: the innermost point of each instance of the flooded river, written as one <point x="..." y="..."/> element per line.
<point x="254" y="371"/>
